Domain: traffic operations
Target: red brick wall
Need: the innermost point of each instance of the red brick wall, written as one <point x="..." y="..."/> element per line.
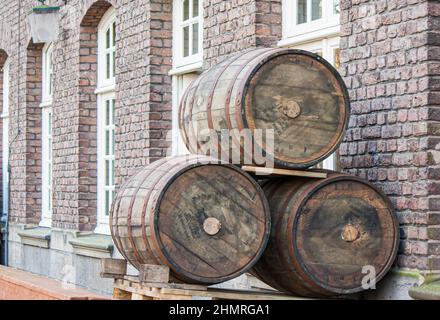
<point x="389" y="56"/>
<point x="233" y="26"/>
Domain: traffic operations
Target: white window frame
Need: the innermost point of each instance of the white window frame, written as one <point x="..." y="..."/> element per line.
<point x="180" y="83"/>
<point x="105" y="91"/>
<point x="47" y="168"/>
<point x="5" y="139"/>
<point x="104" y="83"/>
<point x="46" y="137"/>
<point x="327" y="48"/>
<point x="193" y="61"/>
<point x="293" y="33"/>
<point x="47" y="78"/>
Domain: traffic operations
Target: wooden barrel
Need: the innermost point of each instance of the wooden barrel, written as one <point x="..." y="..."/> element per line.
<point x="208" y="222"/>
<point x="328" y="237"/>
<point x="297" y="94"/>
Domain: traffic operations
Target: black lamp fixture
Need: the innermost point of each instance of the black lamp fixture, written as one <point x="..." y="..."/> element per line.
<point x="43" y="22"/>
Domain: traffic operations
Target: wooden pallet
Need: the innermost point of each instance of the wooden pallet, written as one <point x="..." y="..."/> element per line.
<point x="153" y="284"/>
<point x="132" y="289"/>
<point x="273" y="172"/>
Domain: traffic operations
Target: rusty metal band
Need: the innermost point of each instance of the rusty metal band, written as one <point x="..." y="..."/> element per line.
<point x="181" y="115"/>
<point x="152" y="241"/>
<point x="265" y="237"/>
<point x="178" y="164"/>
<point x="229" y="93"/>
<point x="115" y="232"/>
<point x="144" y="175"/>
<point x="228" y="63"/>
<point x="191" y="104"/>
<point x="305" y="196"/>
<point x="303" y="284"/>
<point x="239" y="98"/>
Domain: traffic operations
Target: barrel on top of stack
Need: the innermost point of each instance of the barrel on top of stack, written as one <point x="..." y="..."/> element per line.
<point x="207" y="221"/>
<point x="329" y="236"/>
<point x="296" y="93"/>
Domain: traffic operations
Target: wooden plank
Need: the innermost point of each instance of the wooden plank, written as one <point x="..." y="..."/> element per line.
<point x="154" y="273"/>
<point x="120" y="294"/>
<point x="285" y="172"/>
<point x="111" y="268"/>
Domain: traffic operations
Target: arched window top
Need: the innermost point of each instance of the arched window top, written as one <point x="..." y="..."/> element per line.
<point x="107" y="49"/>
<point x="5" y="111"/>
<point x="47" y="73"/>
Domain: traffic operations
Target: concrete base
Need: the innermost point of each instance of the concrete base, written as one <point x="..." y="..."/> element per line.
<point x="66" y="263"/>
<point x="59" y="261"/>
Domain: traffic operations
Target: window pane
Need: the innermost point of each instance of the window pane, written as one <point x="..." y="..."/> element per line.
<point x="113" y="142"/>
<point x="113" y="173"/>
<point x="107" y="66"/>
<point x="301" y="11"/>
<point x="114" y="33"/>
<point x="49" y="116"/>
<point x="107" y="142"/>
<point x="107" y="177"/>
<point x="195" y="39"/>
<point x="107" y="200"/>
<point x="186" y="41"/>
<point x="107" y="112"/>
<point x="316" y="9"/>
<point x="113" y="111"/>
<point x="107" y="39"/>
<point x="113" y="64"/>
<point x="185" y="10"/>
<point x="336" y="8"/>
<point x="195" y="8"/>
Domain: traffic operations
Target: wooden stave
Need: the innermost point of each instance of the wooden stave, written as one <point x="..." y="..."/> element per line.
<point x="297" y="280"/>
<point x="234" y="109"/>
<point x="157" y="256"/>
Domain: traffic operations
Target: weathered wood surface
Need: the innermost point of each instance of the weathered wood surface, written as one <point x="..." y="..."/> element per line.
<point x="207" y="222"/>
<point x="263" y="171"/>
<point x="324" y="232"/>
<point x="154" y="273"/>
<point x="295" y="93"/>
<point x="111" y="268"/>
<point x="132" y="290"/>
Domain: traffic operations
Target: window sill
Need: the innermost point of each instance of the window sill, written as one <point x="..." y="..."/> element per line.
<point x="37" y="237"/>
<point x="193" y="67"/>
<point x="46" y="103"/>
<point x="314" y="35"/>
<point x="93" y="245"/>
<point x="105" y="89"/>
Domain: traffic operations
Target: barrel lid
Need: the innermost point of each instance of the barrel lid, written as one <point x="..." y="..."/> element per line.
<point x="212" y="223"/>
<point x="344" y="235"/>
<point x="303" y="99"/>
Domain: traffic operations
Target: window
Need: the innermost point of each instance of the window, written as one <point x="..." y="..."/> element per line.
<point x="5" y="139"/>
<point x="329" y="50"/>
<point x="188" y="32"/>
<point x="303" y="19"/>
<point x="47" y="73"/>
<point x="106" y="118"/>
<point x="46" y="136"/>
<point x="107" y="49"/>
<point x="180" y="83"/>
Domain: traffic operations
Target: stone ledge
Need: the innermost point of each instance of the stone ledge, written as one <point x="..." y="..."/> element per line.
<point x="37" y="237"/>
<point x="429" y="290"/>
<point x="93" y="245"/>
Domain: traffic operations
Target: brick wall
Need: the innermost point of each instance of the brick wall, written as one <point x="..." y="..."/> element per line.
<point x="233" y="26"/>
<point x="143" y="102"/>
<point x="389" y="56"/>
<point x="32" y="132"/>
